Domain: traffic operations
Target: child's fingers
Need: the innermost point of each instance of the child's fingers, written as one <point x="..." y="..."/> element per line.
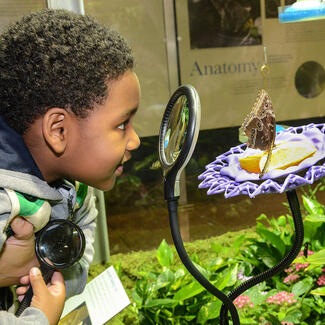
<point x="24" y="279"/>
<point x="20" y="298"/>
<point x="36" y="281"/>
<point x="22" y="228"/>
<point x="57" y="283"/>
<point x="21" y="290"/>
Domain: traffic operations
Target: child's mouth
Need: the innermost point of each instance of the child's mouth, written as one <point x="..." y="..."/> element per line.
<point x="119" y="170"/>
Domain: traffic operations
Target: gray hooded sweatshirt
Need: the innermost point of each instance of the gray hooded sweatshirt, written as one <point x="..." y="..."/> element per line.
<point x="24" y="192"/>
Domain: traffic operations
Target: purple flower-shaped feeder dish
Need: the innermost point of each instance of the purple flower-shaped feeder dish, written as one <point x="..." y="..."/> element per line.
<point x="225" y="175"/>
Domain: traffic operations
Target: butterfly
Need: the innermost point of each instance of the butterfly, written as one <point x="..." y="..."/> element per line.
<point x="259" y="126"/>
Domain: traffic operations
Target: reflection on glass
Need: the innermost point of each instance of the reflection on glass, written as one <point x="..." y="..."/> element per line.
<point x="310" y="79"/>
<point x="59" y="245"/>
<point x="176" y="129"/>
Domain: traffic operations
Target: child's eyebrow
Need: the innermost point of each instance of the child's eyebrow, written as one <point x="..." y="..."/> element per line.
<point x="130" y="112"/>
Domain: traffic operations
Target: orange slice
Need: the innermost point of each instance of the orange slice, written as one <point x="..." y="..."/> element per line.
<point x="284" y="155"/>
<point x="288" y="154"/>
<point x="251" y="163"/>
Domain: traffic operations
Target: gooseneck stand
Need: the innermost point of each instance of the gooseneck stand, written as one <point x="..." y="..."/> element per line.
<point x="285" y="262"/>
<point x="174" y="226"/>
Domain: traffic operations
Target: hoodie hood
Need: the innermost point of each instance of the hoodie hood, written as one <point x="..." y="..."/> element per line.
<point x="18" y="170"/>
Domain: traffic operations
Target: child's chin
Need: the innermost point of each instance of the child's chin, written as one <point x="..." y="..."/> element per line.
<point x="106" y="186"/>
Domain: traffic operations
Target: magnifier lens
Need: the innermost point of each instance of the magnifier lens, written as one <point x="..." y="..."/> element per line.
<point x="176" y="130"/>
<point x="60" y="245"/>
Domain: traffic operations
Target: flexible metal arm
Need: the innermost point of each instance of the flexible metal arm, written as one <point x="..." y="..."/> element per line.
<point x="174" y="225"/>
<point x="285" y="262"/>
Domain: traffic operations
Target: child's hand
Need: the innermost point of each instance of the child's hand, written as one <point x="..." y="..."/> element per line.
<point x="18" y="253"/>
<point x="49" y="299"/>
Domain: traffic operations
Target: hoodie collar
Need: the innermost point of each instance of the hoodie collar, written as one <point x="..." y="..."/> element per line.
<point x="14" y="155"/>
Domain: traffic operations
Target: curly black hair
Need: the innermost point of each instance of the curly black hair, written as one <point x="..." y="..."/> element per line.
<point x="55" y="58"/>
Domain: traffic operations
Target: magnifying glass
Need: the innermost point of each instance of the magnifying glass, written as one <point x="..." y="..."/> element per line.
<point x="177" y="138"/>
<point x="59" y="245"/>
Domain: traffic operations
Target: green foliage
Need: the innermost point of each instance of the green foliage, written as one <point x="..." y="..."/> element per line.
<point x="301" y="278"/>
<point x="163" y="292"/>
<point x="171" y="295"/>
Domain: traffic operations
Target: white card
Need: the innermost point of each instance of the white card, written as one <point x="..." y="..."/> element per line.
<point x="103" y="298"/>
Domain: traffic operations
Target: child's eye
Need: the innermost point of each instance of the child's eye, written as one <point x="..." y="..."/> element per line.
<point x="123" y="125"/>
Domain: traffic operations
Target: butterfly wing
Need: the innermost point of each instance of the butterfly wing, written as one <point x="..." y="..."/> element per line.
<point x="259" y="126"/>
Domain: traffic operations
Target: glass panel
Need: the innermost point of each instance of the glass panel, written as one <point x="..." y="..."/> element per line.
<point x="221" y="47"/>
<point x="12" y="10"/>
<point x="136" y="206"/>
<point x="142" y="24"/>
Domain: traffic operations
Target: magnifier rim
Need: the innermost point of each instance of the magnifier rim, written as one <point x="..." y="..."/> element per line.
<point x="73" y="260"/>
<point x="193" y="103"/>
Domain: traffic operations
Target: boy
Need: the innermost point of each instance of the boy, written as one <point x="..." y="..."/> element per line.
<point x="68" y="96"/>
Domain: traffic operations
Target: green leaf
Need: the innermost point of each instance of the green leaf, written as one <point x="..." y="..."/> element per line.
<point x="282" y="221"/>
<point x="165" y="254"/>
<point x="312" y="206"/>
<point x="269" y="261"/>
<point x="180" y="273"/>
<point x="248" y="321"/>
<point x="293" y="316"/>
<point x="160" y="302"/>
<point x="274" y="239"/>
<point x="238" y="244"/>
<point x="137" y="299"/>
<point x="217" y="248"/>
<point x="164" y="279"/>
<point x="274" y="320"/>
<point x="263" y="217"/>
<point x="227" y="278"/>
<point x="208" y="311"/>
<point x="216" y="263"/>
<point x="255" y="294"/>
<point x="206" y="273"/>
<point x="318" y="258"/>
<point x="233" y="276"/>
<point x="319" y="291"/>
<point x="189" y="291"/>
<point x="274" y="224"/>
<point x="302" y="287"/>
<point x="317" y="218"/>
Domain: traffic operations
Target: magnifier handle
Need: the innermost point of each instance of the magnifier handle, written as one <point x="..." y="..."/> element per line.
<point x="47" y="275"/>
<point x="25" y="302"/>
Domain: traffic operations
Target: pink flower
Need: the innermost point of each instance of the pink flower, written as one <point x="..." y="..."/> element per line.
<point x="282" y="298"/>
<point x="243" y="301"/>
<point x="300" y="266"/>
<point x="296" y="267"/>
<point x="321" y="280"/>
<point x="289" y="270"/>
<point x="291" y="278"/>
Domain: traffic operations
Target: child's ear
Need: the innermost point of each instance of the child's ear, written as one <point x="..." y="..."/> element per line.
<point x="55" y="129"/>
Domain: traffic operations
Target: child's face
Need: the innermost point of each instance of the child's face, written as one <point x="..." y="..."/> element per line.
<point x="102" y="142"/>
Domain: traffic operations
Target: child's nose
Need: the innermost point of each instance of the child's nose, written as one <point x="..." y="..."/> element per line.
<point x="134" y="141"/>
